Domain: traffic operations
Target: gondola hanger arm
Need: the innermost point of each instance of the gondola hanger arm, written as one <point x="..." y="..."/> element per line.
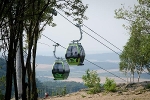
<point x="79" y="26"/>
<point x="56" y="45"/>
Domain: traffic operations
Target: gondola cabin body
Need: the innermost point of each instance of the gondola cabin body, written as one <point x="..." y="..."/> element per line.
<point x="60" y="70"/>
<point x="75" y="54"/>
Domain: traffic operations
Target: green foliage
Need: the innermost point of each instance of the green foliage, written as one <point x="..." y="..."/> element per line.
<point x="53" y="93"/>
<point x="58" y="88"/>
<point x="135" y="56"/>
<point x="110" y="85"/>
<point x="92" y="81"/>
<point x="1" y="95"/>
<point x="34" y="16"/>
<point x="95" y="89"/>
<point x="64" y="91"/>
<point x="148" y="86"/>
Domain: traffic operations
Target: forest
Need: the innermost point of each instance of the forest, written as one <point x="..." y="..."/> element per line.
<point x="24" y="21"/>
<point x="58" y="88"/>
<point x="50" y="87"/>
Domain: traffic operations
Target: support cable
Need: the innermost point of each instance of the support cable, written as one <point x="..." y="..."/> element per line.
<point x="97" y="39"/>
<point x="89" y="34"/>
<point x="95" y="33"/>
<point x="88" y="60"/>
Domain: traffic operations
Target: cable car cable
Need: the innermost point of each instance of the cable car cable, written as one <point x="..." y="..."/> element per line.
<point x="93" y="38"/>
<point x="95" y="33"/>
<point x="89" y="34"/>
<point x="87" y="60"/>
<point x="65" y="48"/>
<point x="105" y="69"/>
<point x="96" y="39"/>
<point x="53" y="41"/>
<point x="44" y="44"/>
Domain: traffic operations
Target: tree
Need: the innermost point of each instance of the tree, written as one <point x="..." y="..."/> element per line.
<point x="17" y="17"/>
<point x="129" y="56"/>
<point x="44" y="12"/>
<point x="92" y="81"/>
<point x="137" y="53"/>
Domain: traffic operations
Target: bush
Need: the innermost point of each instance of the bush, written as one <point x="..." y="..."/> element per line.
<point x="64" y="91"/>
<point x="92" y="81"/>
<point x="148" y="86"/>
<point x="110" y="85"/>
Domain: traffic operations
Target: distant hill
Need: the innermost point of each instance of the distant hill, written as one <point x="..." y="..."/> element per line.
<point x="92" y="57"/>
<point x="106" y="64"/>
<point x="44" y="59"/>
<point x="108" y="61"/>
<point x="103" y="56"/>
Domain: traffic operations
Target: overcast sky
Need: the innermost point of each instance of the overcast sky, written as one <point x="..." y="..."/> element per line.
<point x="101" y="19"/>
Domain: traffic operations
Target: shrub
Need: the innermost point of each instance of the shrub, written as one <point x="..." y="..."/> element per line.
<point x="148" y="86"/>
<point x="92" y="81"/>
<point x="110" y="85"/>
<point x="64" y="91"/>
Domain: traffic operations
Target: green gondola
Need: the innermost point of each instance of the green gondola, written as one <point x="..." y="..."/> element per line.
<point x="60" y="69"/>
<point x="75" y="53"/>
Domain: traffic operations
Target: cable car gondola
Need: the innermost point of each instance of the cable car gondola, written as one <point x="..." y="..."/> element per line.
<point x="75" y="53"/>
<point x="60" y="69"/>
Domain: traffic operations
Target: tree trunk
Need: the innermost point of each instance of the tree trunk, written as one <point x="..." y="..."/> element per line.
<point x="133" y="77"/>
<point x="10" y="62"/>
<point x="130" y="76"/>
<point x="8" y="79"/>
<point x="28" y="66"/>
<point x="24" y="85"/>
<point x="10" y="68"/>
<point x="21" y="10"/>
<point x="15" y="85"/>
<point x="19" y="72"/>
<point x="28" y="62"/>
<point x="138" y="77"/>
<point x="126" y="74"/>
<point x="34" y="88"/>
<point x="139" y="73"/>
